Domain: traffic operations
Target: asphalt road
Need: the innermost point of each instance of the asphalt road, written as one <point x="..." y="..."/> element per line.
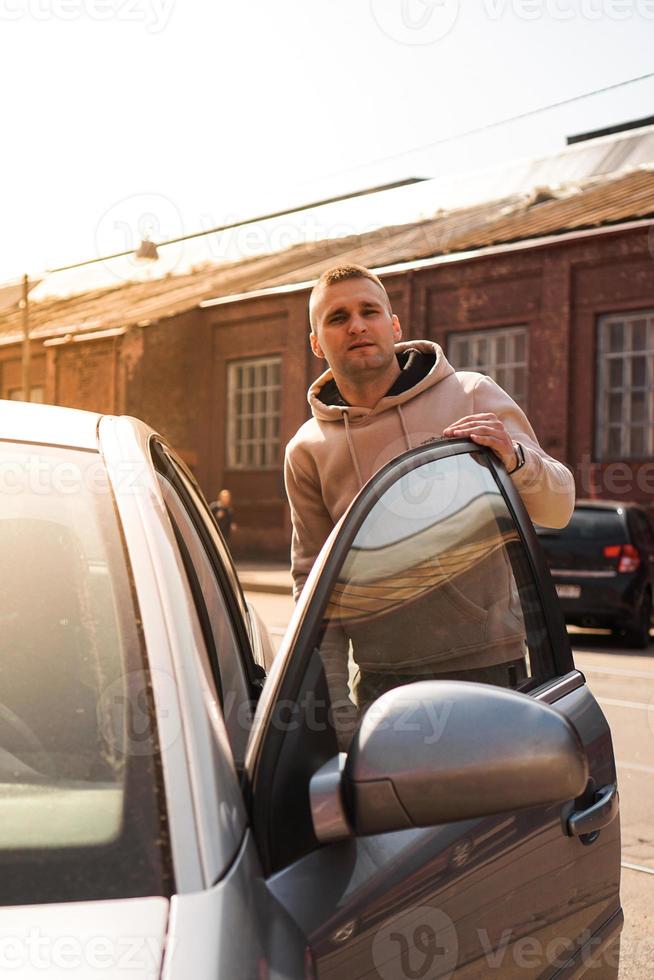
<point x="623" y="683"/>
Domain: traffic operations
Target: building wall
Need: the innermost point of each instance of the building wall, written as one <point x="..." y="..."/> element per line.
<point x="11" y="378"/>
<point x="263" y="327"/>
<point x="174" y="373"/>
<point x="165" y="379"/>
<point x="557" y="292"/>
<point x="84" y="375"/>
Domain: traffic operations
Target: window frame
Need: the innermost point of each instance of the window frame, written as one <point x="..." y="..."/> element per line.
<point x="18" y="391"/>
<point x="171" y="468"/>
<point x="492" y="334"/>
<point x="604" y="390"/>
<point x="271" y="449"/>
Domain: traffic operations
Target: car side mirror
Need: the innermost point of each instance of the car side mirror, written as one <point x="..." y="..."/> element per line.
<point x="437" y="751"/>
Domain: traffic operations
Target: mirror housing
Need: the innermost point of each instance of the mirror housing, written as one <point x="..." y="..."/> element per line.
<point x="433" y="752"/>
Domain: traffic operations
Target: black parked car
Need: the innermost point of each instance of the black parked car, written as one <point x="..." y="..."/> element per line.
<point x="603" y="567"/>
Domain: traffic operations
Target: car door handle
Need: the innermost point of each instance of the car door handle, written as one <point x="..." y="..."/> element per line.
<point x="599" y="814"/>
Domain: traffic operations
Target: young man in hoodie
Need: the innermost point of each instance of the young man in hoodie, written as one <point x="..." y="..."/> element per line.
<point x="380" y="397"/>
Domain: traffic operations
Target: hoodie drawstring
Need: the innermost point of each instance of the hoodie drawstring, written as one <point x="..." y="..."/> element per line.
<point x="350" y="440"/>
<point x="350" y="444"/>
<point x="404" y="428"/>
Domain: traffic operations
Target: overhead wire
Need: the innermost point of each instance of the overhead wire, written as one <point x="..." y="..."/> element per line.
<point x="488" y="126"/>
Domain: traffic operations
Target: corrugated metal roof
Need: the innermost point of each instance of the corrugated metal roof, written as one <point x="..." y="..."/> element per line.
<point x="598" y="202"/>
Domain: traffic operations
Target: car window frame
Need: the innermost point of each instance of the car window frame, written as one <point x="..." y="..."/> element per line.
<point x="265" y="747"/>
<point x="168" y="465"/>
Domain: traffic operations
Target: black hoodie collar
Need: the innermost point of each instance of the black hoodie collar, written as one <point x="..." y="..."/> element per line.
<point x="414" y="366"/>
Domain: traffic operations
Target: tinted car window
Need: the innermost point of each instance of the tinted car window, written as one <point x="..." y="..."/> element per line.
<point x="81" y="807"/>
<point x="436" y="585"/>
<point x="590" y="523"/>
<point x="223" y="656"/>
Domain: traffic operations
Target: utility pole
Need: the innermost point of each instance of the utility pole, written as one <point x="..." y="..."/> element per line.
<point x="24" y="303"/>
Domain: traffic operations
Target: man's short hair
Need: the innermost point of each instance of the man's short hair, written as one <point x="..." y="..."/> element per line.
<point x="340" y="273"/>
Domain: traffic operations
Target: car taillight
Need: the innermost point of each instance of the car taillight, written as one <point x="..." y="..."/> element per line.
<point x="628" y="557"/>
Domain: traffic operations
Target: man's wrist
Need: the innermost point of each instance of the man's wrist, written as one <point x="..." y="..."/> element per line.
<point x="519" y="455"/>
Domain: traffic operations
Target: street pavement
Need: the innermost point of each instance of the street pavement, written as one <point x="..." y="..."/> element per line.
<point x="623" y="683"/>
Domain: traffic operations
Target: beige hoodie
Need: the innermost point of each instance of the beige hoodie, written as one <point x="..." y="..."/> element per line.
<point x="336" y="452"/>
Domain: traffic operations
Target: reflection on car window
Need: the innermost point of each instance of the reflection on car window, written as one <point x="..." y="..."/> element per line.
<point x="589" y="523"/>
<point x="78" y="761"/>
<point x="226" y="667"/>
<point x="435" y="585"/>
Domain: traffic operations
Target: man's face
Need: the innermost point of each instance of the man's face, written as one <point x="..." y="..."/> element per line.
<point x="354" y="329"/>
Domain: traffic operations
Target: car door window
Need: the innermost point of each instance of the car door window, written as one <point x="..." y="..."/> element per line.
<point x="224" y="645"/>
<point x="428" y="577"/>
<point x="436" y="584"/>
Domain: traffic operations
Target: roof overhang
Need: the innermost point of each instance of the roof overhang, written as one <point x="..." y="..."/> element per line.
<point x="546" y="241"/>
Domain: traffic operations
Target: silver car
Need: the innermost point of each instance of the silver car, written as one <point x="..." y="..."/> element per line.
<point x="173" y="801"/>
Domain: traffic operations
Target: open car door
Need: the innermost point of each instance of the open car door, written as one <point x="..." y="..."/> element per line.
<point x="442" y="844"/>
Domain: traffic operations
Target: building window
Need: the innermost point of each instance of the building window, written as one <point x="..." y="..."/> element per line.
<point x="625" y="403"/>
<point x="37" y="394"/>
<point x="502" y="354"/>
<point x="253" y="415"/>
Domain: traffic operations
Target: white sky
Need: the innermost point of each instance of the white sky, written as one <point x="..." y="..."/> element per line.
<point x="197" y="113"/>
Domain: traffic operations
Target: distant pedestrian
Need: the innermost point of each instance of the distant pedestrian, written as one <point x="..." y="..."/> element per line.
<point x="222" y="510"/>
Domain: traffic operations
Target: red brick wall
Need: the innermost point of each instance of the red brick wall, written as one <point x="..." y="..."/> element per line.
<point x="559" y="291"/>
<point x="85" y="375"/>
<point x="11" y="368"/>
<point x="261" y="327"/>
<point x="165" y="379"/>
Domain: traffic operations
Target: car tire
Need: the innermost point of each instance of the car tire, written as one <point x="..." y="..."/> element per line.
<point x="637" y="635"/>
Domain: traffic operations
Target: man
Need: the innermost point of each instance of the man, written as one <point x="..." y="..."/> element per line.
<point x="380" y="397"/>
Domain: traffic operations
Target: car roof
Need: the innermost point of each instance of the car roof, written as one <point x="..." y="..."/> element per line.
<point x="48" y="425"/>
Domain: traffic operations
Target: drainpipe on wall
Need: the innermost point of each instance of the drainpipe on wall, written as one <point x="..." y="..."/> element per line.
<point x="24" y="303"/>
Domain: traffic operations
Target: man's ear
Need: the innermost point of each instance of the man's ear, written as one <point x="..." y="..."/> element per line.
<point x="315" y="346"/>
<point x="397" y="328"/>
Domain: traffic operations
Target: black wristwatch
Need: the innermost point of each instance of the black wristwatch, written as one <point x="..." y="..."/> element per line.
<point x="520" y="456"/>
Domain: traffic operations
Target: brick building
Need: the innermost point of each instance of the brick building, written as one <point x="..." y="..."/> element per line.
<point x="551" y="293"/>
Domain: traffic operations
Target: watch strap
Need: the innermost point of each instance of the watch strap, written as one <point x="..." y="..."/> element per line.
<point x="520" y="456"/>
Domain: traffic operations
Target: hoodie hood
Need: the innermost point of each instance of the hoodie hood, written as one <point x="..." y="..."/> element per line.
<point x="333" y="408"/>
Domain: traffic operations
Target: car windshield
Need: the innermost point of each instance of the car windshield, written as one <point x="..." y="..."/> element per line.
<point x="592" y="523"/>
<point x="81" y="805"/>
